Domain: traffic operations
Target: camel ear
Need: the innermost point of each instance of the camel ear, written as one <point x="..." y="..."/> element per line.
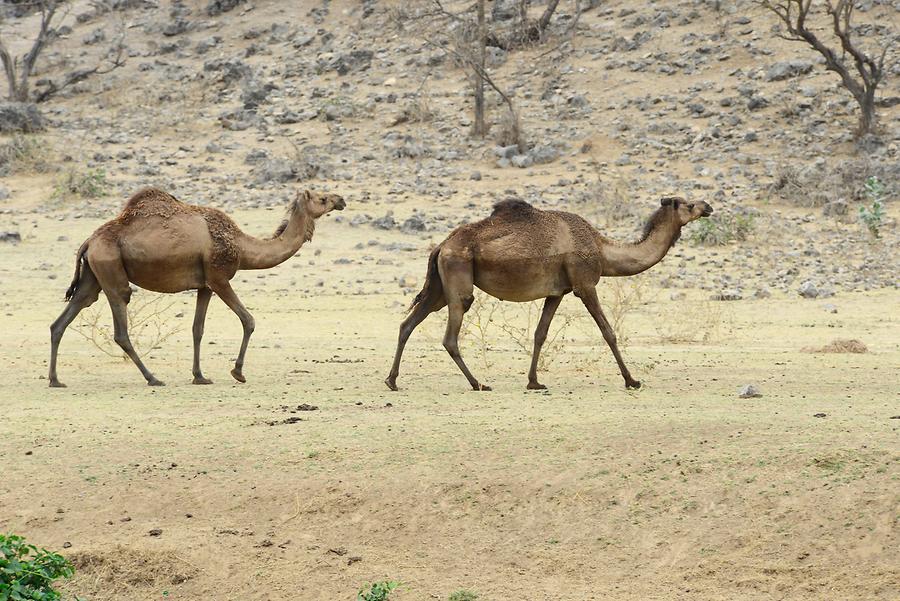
<point x="666" y="201"/>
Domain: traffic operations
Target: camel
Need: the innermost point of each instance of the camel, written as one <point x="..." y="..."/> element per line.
<point x="162" y="244"/>
<point x="521" y="254"/>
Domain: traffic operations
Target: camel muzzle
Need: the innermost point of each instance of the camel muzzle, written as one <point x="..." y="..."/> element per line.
<point x="707" y="211"/>
<point x="340" y="204"/>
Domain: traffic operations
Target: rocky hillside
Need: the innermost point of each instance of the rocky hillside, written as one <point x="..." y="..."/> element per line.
<point x="237" y="104"/>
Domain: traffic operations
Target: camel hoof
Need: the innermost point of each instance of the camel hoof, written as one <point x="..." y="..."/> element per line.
<point x="481" y="387"/>
<point x="155" y="382"/>
<point x="391" y="383"/>
<point x="536" y="386"/>
<point x="56" y="384"/>
<point x="633" y="384"/>
<point x="201" y="380"/>
<point x="237" y="375"/>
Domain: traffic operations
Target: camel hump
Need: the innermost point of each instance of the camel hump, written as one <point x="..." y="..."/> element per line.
<point x="152" y="202"/>
<point x="149" y="194"/>
<point x="513" y="207"/>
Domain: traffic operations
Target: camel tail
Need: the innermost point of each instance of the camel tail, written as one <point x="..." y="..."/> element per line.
<point x="433" y="287"/>
<point x="78" y="260"/>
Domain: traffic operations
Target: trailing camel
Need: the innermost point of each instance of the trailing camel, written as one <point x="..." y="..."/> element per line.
<point x="521" y="254"/>
<point x="162" y="244"/>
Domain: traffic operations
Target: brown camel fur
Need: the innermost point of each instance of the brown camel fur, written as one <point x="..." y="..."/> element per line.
<point x="521" y="254"/>
<point x="162" y="244"/>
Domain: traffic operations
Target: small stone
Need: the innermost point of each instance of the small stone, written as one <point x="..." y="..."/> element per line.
<point x="11" y="237"/>
<point x="808" y="290"/>
<point x="749" y="391"/>
<point x="407" y="281"/>
<point x="155" y="532"/>
<point x="830" y="308"/>
<point x="67" y="545"/>
<point x="475" y="176"/>
<point x="819" y="415"/>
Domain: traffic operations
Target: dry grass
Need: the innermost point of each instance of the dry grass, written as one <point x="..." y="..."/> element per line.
<point x="25" y="154"/>
<point x="703" y="322"/>
<point x="106" y="574"/>
<point x="509" y="131"/>
<point x="839" y="345"/>
<point x="149" y="325"/>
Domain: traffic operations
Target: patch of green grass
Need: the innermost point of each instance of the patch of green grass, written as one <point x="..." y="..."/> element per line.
<point x="463" y="595"/>
<point x="378" y="591"/>
<point x="722" y="228"/>
<point x="27" y="572"/>
<point x="86" y="184"/>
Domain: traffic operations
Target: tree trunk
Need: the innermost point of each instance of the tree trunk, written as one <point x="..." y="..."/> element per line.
<point x="478" y="128"/>
<point x="9" y="68"/>
<point x="866" y="112"/>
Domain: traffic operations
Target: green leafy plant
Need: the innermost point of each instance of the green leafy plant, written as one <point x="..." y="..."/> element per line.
<point x="873" y="215"/>
<point x="27" y="573"/>
<point x="87" y="184"/>
<point x="722" y="228"/>
<point x="378" y="591"/>
<point x="463" y="595"/>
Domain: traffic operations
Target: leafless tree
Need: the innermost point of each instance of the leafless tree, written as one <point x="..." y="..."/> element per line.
<point x="479" y="129"/>
<point x="18" y="69"/>
<point x="869" y="71"/>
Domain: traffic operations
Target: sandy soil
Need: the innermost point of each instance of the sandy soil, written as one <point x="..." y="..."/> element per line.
<point x="679" y="491"/>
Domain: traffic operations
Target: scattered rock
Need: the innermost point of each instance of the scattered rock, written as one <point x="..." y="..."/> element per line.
<point x="385" y="223"/>
<point x="749" y="391"/>
<point x="840" y="345"/>
<point x="835" y="208"/>
<point x="155" y="532"/>
<point x="407" y="281"/>
<point x="413" y="224"/>
<point x="11" y="237"/>
<point x="787" y="69"/>
<point x="22" y="117"/>
<point x="217" y="7"/>
<point x="819" y="415"/>
<point x="808" y="290"/>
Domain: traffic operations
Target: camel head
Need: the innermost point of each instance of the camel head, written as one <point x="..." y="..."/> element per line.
<point x="319" y="203"/>
<point x="685" y="211"/>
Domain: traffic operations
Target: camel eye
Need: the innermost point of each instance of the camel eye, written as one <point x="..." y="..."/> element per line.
<point x="691" y="207"/>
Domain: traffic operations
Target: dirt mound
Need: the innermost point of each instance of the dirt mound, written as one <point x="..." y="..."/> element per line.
<point x="104" y="573"/>
<point x="839" y="345"/>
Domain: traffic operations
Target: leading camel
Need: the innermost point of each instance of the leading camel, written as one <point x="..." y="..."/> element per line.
<point x="521" y="254"/>
<point x="162" y="244"/>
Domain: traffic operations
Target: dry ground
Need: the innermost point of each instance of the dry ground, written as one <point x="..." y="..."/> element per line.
<point x="679" y="491"/>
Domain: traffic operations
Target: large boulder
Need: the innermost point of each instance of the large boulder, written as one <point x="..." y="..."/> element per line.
<point x="18" y="117"/>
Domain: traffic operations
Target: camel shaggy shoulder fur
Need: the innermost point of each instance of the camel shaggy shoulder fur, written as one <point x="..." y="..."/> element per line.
<point x="521" y="254"/>
<point x="162" y="244"/>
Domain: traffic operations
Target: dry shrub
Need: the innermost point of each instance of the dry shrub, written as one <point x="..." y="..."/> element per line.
<point x="619" y="298"/>
<point x="839" y="345"/>
<point x="820" y="182"/>
<point x="609" y="197"/>
<point x="109" y="574"/>
<point x="704" y="321"/>
<point x="149" y="325"/>
<point x="509" y="131"/>
<point x="25" y="154"/>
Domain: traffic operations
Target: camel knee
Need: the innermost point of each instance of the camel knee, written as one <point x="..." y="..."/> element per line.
<point x="467" y="303"/>
<point x="452" y="347"/>
<point x="249" y="324"/>
<point x="121" y="338"/>
<point x="56" y="333"/>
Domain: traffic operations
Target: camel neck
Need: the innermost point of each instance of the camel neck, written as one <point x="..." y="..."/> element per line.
<point x="622" y="259"/>
<point x="259" y="253"/>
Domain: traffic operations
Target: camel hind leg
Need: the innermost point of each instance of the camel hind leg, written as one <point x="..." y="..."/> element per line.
<point x="422" y="309"/>
<point x="459" y="291"/>
<point x="86" y="294"/>
<point x="113" y="279"/>
<point x="551" y="303"/>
